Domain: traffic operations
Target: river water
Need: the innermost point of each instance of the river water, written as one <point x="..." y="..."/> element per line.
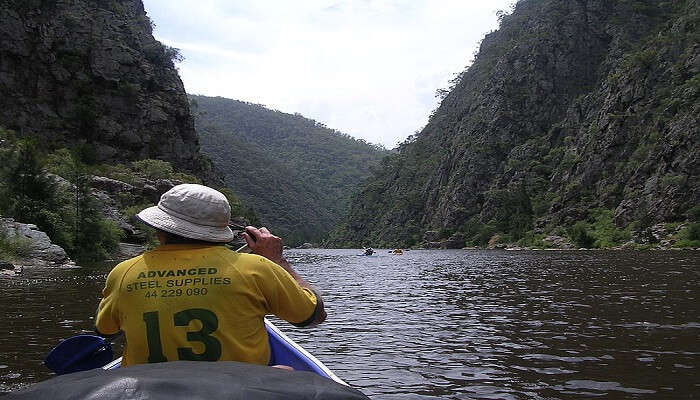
<point x="446" y="324"/>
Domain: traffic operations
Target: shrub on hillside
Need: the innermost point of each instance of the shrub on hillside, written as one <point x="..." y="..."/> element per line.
<point x="689" y="237"/>
<point x="605" y="232"/>
<point x="144" y="169"/>
<point x="69" y="214"/>
<point x="694" y="214"/>
<point x="580" y="236"/>
<point x="153" y="169"/>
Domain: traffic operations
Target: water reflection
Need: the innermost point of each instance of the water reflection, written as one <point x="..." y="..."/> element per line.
<point x="448" y="324"/>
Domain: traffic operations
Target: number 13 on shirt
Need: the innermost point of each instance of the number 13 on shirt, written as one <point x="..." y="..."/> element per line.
<point x="210" y="323"/>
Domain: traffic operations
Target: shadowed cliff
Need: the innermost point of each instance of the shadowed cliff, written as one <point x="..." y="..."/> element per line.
<point x="572" y="112"/>
<point x="89" y="74"/>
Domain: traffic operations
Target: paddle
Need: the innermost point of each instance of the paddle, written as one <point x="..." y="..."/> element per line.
<point x="79" y="353"/>
<point x="84" y="352"/>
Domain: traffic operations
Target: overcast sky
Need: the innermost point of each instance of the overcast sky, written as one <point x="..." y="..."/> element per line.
<point x="368" y="68"/>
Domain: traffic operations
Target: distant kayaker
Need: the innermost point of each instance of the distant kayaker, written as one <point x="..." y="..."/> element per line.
<point x="192" y="298"/>
<point x="369" y="251"/>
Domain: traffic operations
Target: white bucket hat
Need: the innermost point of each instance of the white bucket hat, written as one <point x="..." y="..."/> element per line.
<point x="192" y="211"/>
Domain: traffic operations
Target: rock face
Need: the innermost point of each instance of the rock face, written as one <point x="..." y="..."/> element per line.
<point x="558" y="242"/>
<point x="570" y="106"/>
<point x="115" y="195"/>
<point x="90" y="72"/>
<point x="42" y="252"/>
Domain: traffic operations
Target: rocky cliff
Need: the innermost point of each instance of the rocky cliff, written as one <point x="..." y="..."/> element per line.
<point x="94" y="126"/>
<point x="89" y="74"/>
<point x="580" y="111"/>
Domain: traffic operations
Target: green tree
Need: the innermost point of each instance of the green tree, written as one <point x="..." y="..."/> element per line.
<point x="580" y="236"/>
<point x="95" y="236"/>
<point x="689" y="236"/>
<point x="606" y="233"/>
<point x="85" y="233"/>
<point x="29" y="194"/>
<point x="238" y="209"/>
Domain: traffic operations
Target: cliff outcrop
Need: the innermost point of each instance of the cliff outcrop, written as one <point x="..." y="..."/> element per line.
<point x="582" y="111"/>
<point x="94" y="125"/>
<point x="89" y="74"/>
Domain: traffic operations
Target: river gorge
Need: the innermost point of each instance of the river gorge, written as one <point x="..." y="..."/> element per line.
<point x="445" y="324"/>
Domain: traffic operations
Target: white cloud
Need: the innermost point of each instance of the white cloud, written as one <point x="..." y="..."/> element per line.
<point x="368" y="68"/>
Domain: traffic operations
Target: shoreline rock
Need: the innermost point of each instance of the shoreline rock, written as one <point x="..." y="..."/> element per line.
<point x="9" y="269"/>
<point x="127" y="251"/>
<point x="42" y="252"/>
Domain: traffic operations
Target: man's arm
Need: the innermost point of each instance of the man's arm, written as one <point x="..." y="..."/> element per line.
<point x="107" y="323"/>
<point x="105" y="335"/>
<point x="263" y="243"/>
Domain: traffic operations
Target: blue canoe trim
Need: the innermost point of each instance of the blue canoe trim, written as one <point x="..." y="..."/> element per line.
<point x="283" y="351"/>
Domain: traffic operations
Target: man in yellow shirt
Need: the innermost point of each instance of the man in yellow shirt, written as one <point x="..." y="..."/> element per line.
<point x="192" y="298"/>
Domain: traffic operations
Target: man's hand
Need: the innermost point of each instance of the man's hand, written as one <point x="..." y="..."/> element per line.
<point x="263" y="243"/>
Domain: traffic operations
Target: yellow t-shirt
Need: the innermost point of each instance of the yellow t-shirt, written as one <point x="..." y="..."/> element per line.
<point x="200" y="303"/>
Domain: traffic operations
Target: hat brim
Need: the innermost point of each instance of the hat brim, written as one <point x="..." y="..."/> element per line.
<point x="159" y="219"/>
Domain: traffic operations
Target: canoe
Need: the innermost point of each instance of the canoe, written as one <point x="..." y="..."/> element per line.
<point x="85" y="371"/>
<point x="284" y="351"/>
<point x="187" y="380"/>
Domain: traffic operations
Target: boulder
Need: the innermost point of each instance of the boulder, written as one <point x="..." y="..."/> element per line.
<point x="431" y="236"/>
<point x="42" y="252"/>
<point x="111" y="186"/>
<point x="151" y="193"/>
<point x="163" y="185"/>
<point x="494" y="242"/>
<point x="6" y="266"/>
<point x="128" y="250"/>
<point x="558" y="242"/>
<point x="9" y="269"/>
<point x="456" y="241"/>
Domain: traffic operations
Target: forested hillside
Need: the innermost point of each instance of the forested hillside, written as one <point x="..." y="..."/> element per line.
<point x="577" y="122"/>
<point x="296" y="173"/>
